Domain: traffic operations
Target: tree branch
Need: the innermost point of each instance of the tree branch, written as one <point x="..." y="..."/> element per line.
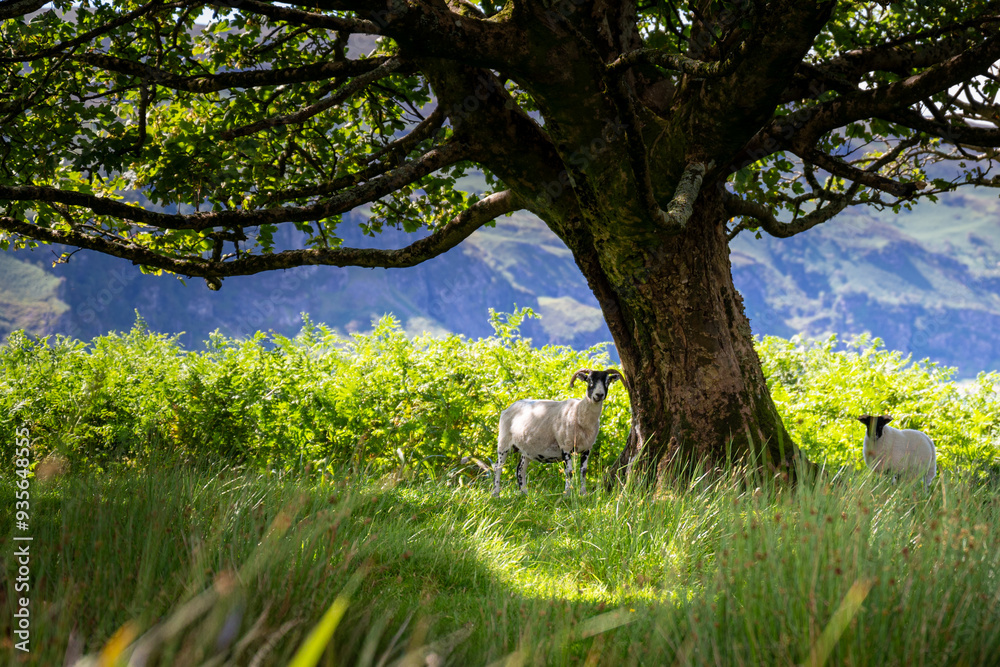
<point x="12" y="9"/>
<point x="682" y="204"/>
<point x="227" y="80"/>
<point x="436" y="29"/>
<point x="688" y="186"/>
<point x="882" y="100"/>
<point x="872" y="179"/>
<point x="424" y="130"/>
<point x="677" y="62"/>
<point x="838" y="200"/>
<point x="304" y="114"/>
<point x="91" y="35"/>
<point x="501" y="136"/>
<point x="638" y="155"/>
<point x="897" y="55"/>
<point x="341" y="202"/>
<point x="440" y="241"/>
<point x="843" y="73"/>
<point x="299" y="17"/>
<point x="737" y="206"/>
<point x="399" y="148"/>
<point x="950" y="132"/>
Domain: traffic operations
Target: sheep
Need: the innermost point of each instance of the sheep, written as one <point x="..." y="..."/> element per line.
<point x="901" y="451"/>
<point x="551" y="431"/>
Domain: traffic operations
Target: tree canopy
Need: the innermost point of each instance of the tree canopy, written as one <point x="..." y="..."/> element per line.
<point x="180" y="135"/>
<point x="132" y="129"/>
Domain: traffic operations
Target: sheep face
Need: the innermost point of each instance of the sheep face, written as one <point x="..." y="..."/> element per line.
<point x="877" y="422"/>
<point x="598" y="382"/>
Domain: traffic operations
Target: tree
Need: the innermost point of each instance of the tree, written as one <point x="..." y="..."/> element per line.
<point x="645" y="134"/>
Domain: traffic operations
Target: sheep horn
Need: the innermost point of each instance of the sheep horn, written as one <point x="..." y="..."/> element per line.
<point x="579" y="375"/>
<point x="615" y="373"/>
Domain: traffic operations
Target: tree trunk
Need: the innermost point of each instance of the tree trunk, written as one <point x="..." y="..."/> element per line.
<point x="698" y="393"/>
<point x="663" y="280"/>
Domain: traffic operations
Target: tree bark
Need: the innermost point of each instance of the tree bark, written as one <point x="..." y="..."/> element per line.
<point x="647" y="227"/>
<point x="698" y="393"/>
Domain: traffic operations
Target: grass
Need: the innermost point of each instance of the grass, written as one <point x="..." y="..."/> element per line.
<point x="200" y="567"/>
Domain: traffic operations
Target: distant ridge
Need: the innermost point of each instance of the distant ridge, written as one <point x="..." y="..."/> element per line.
<point x="926" y="281"/>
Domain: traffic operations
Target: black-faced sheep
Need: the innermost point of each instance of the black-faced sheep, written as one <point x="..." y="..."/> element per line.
<point x="552" y="431"/>
<point x="897" y="451"/>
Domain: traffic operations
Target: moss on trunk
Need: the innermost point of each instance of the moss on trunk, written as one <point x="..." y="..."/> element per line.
<point x="697" y="390"/>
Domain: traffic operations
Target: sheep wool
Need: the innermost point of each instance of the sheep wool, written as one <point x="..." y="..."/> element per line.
<point x="905" y="452"/>
<point x="552" y="431"/>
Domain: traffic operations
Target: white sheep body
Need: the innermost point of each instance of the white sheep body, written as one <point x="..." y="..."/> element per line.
<point x="901" y="451"/>
<point x="544" y="430"/>
<point x="551" y="431"/>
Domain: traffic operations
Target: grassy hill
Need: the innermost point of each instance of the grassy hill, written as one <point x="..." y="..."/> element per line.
<point x="926" y="281"/>
<point x="28" y="296"/>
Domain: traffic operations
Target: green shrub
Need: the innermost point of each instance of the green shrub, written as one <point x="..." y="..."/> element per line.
<point x="820" y="391"/>
<point x="386" y="402"/>
<point x="379" y="401"/>
<point x="97" y="403"/>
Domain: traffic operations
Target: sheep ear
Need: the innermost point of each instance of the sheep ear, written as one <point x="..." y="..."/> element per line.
<point x="864" y="419"/>
<point x="582" y="374"/>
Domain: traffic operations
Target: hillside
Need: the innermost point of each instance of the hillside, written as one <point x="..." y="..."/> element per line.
<point x="28" y="297"/>
<point x="927" y="282"/>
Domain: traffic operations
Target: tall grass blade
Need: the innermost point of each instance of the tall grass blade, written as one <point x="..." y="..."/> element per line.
<point x="116" y="646"/>
<point x="319" y="637"/>
<point x="605" y="622"/>
<point x="849" y="606"/>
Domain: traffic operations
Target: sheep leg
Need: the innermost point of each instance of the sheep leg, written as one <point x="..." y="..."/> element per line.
<point x="584" y="456"/>
<point x="498" y="468"/>
<point x="522" y="473"/>
<point x="568" y="460"/>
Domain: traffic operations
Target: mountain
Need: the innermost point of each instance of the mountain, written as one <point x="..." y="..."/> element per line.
<point x="926" y="281"/>
<point x="29" y="297"/>
<point x="517" y="263"/>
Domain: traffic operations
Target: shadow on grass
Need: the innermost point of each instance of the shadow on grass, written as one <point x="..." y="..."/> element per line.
<point x="189" y="567"/>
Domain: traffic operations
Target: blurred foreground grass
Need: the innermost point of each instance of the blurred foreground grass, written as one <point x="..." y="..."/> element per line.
<point x="217" y="567"/>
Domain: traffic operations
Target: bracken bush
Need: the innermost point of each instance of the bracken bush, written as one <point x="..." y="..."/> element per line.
<point x="385" y="402"/>
<point x="822" y="386"/>
<point x="380" y="402"/>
